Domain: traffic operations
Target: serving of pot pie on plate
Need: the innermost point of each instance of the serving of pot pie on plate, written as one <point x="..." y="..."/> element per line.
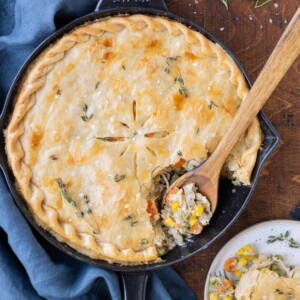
<point x="108" y="116"/>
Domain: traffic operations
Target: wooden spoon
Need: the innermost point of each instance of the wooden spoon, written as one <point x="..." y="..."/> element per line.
<point x="206" y="176"/>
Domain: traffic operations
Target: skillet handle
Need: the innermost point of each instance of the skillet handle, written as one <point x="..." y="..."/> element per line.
<point x="134" y="285"/>
<point x="110" y="4"/>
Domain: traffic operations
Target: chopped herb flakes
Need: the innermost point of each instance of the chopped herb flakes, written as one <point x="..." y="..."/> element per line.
<point x="283" y="237"/>
<point x="97" y="85"/>
<point x="58" y="92"/>
<point x="118" y="177"/>
<point x="184" y="91"/>
<point x="53" y="157"/>
<point x="89" y="211"/>
<point x="144" y="241"/>
<point x="133" y="223"/>
<point x="64" y="192"/>
<point x="179" y="153"/>
<point x="129" y="217"/>
<point x="95" y="232"/>
<point x="85" y="117"/>
<point x="197" y="131"/>
<point x="212" y="103"/>
<point x="123" y="67"/>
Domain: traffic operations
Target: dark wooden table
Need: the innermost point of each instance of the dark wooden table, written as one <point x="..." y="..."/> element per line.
<point x="252" y="34"/>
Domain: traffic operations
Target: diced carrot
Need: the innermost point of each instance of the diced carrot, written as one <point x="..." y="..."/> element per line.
<point x="179" y="164"/>
<point x="171" y="192"/>
<point x="230" y="264"/>
<point x="178" y="226"/>
<point x="196" y="229"/>
<point x="152" y="209"/>
<point x="150" y="134"/>
<point x="225" y="286"/>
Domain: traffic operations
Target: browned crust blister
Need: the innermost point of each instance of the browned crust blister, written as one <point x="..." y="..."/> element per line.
<point x="35" y="79"/>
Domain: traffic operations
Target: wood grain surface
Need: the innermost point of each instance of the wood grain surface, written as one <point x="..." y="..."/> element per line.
<point x="252" y="34"/>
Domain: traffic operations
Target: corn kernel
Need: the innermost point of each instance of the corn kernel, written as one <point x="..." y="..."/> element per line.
<point x="227" y="298"/>
<point x="199" y="211"/>
<point x="213" y="296"/>
<point x="240" y="251"/>
<point x="193" y="220"/>
<point x="243" y="261"/>
<point x="175" y="205"/>
<point x="169" y="222"/>
<point x="237" y="273"/>
<point x="247" y="247"/>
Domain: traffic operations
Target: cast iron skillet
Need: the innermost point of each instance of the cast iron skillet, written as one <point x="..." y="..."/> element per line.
<point x="230" y="205"/>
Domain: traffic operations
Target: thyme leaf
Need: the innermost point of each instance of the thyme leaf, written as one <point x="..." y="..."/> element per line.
<point x="53" y="157"/>
<point x="129" y="217"/>
<point x="184" y="91"/>
<point x="58" y="92"/>
<point x="212" y="103"/>
<point x="89" y="211"/>
<point x="97" y="85"/>
<point x="123" y="67"/>
<point x="95" y="232"/>
<point x="169" y="61"/>
<point x="144" y="241"/>
<point x="118" y="177"/>
<point x="225" y="2"/>
<point x="197" y="131"/>
<point x="86" y="199"/>
<point x="293" y="243"/>
<point x="64" y="193"/>
<point x="179" y="79"/>
<point x="85" y="117"/>
<point x="133" y="223"/>
<point x="79" y="214"/>
<point x="179" y="153"/>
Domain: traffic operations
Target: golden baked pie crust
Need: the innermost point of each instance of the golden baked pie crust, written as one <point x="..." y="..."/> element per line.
<point x="19" y="131"/>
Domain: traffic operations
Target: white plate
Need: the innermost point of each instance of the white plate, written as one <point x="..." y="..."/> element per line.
<point x="257" y="235"/>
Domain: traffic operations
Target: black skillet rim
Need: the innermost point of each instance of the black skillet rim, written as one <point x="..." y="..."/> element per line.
<point x="274" y="136"/>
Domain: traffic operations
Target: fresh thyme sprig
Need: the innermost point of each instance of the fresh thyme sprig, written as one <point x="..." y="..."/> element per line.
<point x="259" y="3"/>
<point x="85" y="117"/>
<point x="283" y="237"/>
<point x="64" y="193"/>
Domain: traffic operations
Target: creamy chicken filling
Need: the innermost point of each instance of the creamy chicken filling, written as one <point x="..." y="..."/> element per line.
<point x="184" y="212"/>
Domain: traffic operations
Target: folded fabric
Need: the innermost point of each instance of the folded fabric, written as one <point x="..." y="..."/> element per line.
<point x="30" y="267"/>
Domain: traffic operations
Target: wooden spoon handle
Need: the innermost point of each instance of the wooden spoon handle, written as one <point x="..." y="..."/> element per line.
<point x="282" y="57"/>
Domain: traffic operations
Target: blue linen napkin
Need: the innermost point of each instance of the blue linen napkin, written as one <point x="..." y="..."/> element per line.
<point x="30" y="267"/>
